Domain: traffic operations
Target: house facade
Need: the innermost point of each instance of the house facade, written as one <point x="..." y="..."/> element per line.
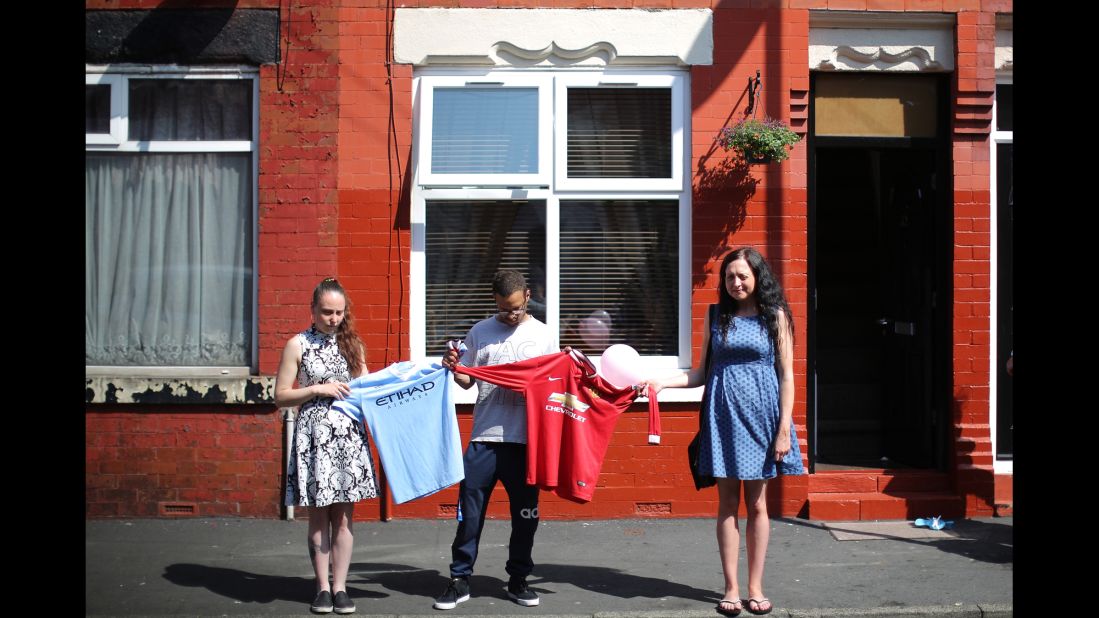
<point x="239" y="152"/>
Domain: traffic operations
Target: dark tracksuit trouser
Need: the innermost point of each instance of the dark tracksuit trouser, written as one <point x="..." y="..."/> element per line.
<point x="485" y="463"/>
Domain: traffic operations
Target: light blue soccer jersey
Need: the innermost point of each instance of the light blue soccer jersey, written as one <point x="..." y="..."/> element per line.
<point x="409" y="410"/>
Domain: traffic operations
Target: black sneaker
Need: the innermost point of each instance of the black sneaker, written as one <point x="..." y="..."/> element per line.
<point x="457" y="591"/>
<point x="518" y="592"/>
<point x="323" y="603"/>
<point x="342" y="603"/>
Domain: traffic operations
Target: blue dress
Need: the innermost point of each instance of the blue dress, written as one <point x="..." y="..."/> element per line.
<point x="741" y="407"/>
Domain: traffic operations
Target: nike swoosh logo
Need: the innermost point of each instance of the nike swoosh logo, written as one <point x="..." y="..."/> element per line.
<point x="552" y="379"/>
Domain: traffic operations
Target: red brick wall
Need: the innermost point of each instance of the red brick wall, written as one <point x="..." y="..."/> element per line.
<point x="298" y="207"/>
<point x="765" y="206"/>
<point x="229" y="461"/>
<point x="226" y="459"/>
<point x="375" y="142"/>
<point x="974" y="88"/>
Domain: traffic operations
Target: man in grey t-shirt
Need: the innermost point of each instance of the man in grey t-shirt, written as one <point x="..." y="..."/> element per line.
<point x="498" y="444"/>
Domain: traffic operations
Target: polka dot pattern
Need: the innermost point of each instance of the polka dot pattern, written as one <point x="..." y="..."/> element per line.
<point x="741" y="410"/>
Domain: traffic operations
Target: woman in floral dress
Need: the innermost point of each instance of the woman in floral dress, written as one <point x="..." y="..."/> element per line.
<point x="330" y="467"/>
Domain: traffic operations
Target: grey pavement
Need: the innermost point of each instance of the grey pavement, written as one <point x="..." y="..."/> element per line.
<point x="602" y="568"/>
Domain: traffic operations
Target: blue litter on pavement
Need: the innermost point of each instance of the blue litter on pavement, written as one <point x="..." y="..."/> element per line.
<point x="935" y="523"/>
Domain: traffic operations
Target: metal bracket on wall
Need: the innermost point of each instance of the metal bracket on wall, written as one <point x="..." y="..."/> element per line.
<point x="754" y="92"/>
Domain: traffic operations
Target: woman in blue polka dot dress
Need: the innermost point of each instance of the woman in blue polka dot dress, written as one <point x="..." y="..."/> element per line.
<point x="747" y="429"/>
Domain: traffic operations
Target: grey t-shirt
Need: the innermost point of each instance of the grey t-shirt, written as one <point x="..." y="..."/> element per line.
<point x="500" y="415"/>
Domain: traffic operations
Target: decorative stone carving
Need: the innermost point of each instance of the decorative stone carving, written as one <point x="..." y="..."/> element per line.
<point x="847" y="57"/>
<point x="605" y="50"/>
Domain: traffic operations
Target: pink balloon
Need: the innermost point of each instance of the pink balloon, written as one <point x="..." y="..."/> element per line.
<point x="595" y="329"/>
<point x="621" y="365"/>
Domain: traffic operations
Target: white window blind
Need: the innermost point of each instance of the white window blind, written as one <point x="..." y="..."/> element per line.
<point x="620" y="275"/>
<point x="466" y="242"/>
<point x="619" y="133"/>
<point x="485" y="131"/>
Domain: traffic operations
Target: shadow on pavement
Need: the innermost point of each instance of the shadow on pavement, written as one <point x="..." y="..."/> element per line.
<point x="979" y="540"/>
<point x="252" y="587"/>
<point x="429" y="584"/>
<point x="404" y="579"/>
<point x="615" y="583"/>
<point x="611" y="582"/>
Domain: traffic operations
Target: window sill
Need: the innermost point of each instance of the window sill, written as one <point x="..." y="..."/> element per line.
<point x="669" y="394"/>
<point x="180" y="390"/>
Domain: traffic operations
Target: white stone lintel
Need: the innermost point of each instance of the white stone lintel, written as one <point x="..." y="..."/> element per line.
<point x="553" y="37"/>
<point x="881" y="41"/>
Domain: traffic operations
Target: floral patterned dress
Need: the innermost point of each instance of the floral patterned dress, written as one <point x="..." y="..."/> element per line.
<point x="330" y="461"/>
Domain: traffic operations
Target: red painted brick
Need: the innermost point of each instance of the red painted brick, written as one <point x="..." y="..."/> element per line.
<point x="882" y="507"/>
<point x="218" y="509"/>
<point x="826" y="509"/>
<point x="843" y="483"/>
<point x="92" y="480"/>
<point x="235" y="467"/>
<point x="913" y="481"/>
<point x="102" y="509"/>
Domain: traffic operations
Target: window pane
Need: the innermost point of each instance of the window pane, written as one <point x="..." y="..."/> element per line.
<point x="619" y="275"/>
<point x="97" y="108"/>
<point x="168" y="259"/>
<point x="466" y="243"/>
<point x="484" y="131"/>
<point x="1005" y="107"/>
<point x="619" y="133"/>
<point x="190" y="109"/>
<point x="876" y="105"/>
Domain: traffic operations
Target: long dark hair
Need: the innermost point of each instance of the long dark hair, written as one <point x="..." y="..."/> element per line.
<point x="768" y="294"/>
<point x="347" y="339"/>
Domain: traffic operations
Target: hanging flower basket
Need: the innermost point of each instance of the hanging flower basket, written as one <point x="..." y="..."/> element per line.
<point x="759" y="141"/>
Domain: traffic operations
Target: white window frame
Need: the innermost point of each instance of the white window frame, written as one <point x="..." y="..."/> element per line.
<point x="118" y="76"/>
<point x="552" y="194"/>
<point x="999" y="466"/>
<point x="118" y="104"/>
<point x="481" y="80"/>
<point x="122" y="75"/>
<point x="619" y="79"/>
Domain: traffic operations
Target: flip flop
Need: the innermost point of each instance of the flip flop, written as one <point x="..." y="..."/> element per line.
<point x="730" y="612"/>
<point x="759" y="602"/>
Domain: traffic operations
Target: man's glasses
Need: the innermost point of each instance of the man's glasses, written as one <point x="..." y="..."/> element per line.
<point x="514" y="313"/>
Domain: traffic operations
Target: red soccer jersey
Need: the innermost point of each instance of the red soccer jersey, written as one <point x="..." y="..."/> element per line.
<point x="571" y="413"/>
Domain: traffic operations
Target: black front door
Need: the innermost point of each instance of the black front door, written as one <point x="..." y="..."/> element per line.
<point x="876" y="236"/>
